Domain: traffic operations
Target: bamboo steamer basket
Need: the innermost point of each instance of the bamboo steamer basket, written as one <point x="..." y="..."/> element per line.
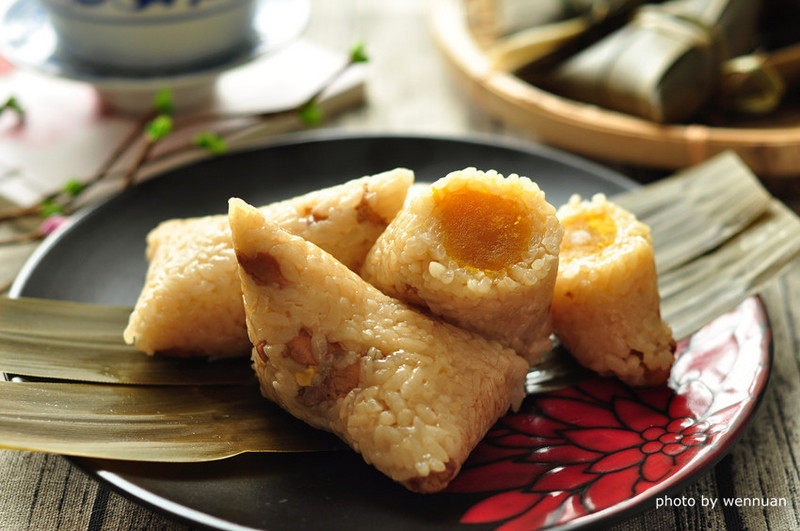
<point x="771" y="150"/>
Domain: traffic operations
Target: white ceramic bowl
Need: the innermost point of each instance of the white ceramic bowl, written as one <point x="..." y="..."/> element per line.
<point x="151" y="35"/>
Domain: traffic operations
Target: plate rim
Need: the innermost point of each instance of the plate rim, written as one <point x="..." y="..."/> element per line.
<point x="328" y="135"/>
<point x="194" y="516"/>
<point x="616" y="514"/>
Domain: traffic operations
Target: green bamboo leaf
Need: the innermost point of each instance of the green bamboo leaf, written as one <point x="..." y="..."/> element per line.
<point x="83" y="342"/>
<point x="169" y="424"/>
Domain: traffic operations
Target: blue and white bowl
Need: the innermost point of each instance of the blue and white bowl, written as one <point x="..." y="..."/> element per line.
<point x="151" y="35"/>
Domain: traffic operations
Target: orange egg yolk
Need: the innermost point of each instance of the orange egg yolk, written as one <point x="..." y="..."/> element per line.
<point x="482" y="230"/>
<point x="586" y="234"/>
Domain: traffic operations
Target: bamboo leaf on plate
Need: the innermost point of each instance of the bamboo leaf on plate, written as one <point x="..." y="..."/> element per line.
<point x="704" y="289"/>
<point x="170" y="424"/>
<point x="83" y="342"/>
<point x="696" y="210"/>
<point x="63" y="320"/>
<point x="113" y="363"/>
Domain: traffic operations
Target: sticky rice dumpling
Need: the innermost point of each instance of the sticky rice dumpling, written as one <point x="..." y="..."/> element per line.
<point x="191" y="303"/>
<point x="481" y="251"/>
<point x="412" y="394"/>
<point x="606" y="302"/>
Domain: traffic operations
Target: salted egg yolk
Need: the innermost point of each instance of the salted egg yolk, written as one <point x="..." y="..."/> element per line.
<point x="587" y="233"/>
<point x="482" y="230"/>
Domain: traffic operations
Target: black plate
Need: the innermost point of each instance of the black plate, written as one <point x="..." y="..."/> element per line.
<point x="100" y="259"/>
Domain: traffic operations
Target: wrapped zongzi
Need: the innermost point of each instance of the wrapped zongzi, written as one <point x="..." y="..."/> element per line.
<point x="191" y="303"/>
<point x="412" y="394"/>
<point x="664" y="64"/>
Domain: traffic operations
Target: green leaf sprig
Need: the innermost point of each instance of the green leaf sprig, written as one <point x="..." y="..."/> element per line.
<point x="148" y="132"/>
<point x="357" y="53"/>
<point x="49" y="207"/>
<point x="73" y="187"/>
<point x="309" y="111"/>
<point x="155" y="131"/>
<point x="163" y="102"/>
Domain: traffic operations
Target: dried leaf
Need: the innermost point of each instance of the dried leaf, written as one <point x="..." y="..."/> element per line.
<point x="697" y="209"/>
<point x="63" y="320"/>
<point x="704" y="289"/>
<point x="113" y="363"/>
<point x="174" y="424"/>
<point x="83" y="342"/>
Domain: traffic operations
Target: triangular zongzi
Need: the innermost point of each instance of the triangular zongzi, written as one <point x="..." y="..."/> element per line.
<point x="412" y="394"/>
<point x="191" y="303"/>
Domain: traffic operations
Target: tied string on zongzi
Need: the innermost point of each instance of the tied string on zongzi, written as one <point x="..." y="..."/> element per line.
<point x="756" y="84"/>
<point x="664" y="64"/>
<point x="751" y="85"/>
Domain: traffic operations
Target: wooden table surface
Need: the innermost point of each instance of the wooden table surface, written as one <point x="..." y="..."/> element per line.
<point x="409" y="91"/>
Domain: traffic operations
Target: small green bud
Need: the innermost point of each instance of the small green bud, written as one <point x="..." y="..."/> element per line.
<point x="159" y="128"/>
<point x="73" y="187"/>
<point x="48" y="207"/>
<point x="12" y="104"/>
<point x="310" y="113"/>
<point x="357" y="54"/>
<point x="163" y="102"/>
<point x="211" y="142"/>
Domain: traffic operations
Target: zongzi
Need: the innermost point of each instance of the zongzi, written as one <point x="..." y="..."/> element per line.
<point x="191" y="303"/>
<point x="606" y="303"/>
<point x="516" y="33"/>
<point x="475" y="248"/>
<point x="412" y="394"/>
<point x="664" y="64"/>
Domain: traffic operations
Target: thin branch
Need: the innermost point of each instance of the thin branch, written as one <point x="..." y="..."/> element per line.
<point x="130" y="175"/>
<point x="66" y="201"/>
<point x="19" y="212"/>
<point x="102" y="173"/>
<point x="31" y="236"/>
<point x="325" y="86"/>
<point x="122" y="148"/>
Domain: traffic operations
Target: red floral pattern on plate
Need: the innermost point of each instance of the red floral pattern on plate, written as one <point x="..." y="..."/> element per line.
<point x="584" y="452"/>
